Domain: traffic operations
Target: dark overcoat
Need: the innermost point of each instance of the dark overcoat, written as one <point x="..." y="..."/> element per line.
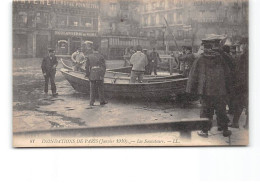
<point x="241" y="74"/>
<point x="209" y="75"/>
<point x="48" y="63"/>
<point x="95" y="66"/>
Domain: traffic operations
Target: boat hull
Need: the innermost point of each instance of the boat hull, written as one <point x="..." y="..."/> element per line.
<point x="152" y="90"/>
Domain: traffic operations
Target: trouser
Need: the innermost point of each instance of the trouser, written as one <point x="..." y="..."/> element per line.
<point x="240" y="102"/>
<point x="154" y="68"/>
<point x="96" y="86"/>
<point x="50" y="76"/>
<point x="211" y="104"/>
<point x="136" y="74"/>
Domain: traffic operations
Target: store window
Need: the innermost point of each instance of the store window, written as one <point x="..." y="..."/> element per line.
<point x="62" y="46"/>
<point x="74" y="21"/>
<point x="86" y="22"/>
<point x="62" y="20"/>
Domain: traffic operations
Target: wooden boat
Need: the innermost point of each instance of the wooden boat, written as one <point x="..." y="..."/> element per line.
<point x="120" y="87"/>
<point x="123" y="72"/>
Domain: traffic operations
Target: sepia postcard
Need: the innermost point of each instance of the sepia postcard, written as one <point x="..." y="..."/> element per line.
<point x="110" y="73"/>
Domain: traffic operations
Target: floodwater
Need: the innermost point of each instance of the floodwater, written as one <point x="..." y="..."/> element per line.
<point x="33" y="110"/>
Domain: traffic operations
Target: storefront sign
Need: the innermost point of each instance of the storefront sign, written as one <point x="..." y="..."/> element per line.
<point x="76" y="4"/>
<point x="73" y="33"/>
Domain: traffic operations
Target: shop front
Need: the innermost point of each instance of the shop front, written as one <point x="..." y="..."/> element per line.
<point x="67" y="42"/>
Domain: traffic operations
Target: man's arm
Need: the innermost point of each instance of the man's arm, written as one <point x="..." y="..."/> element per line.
<point x="73" y="57"/>
<point x="87" y="67"/>
<point x="159" y="57"/>
<point x="55" y="62"/>
<point x="132" y="60"/>
<point x="43" y="66"/>
<point x="145" y="60"/>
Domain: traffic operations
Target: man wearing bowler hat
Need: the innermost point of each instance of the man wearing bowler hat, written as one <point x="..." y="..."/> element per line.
<point x="49" y="64"/>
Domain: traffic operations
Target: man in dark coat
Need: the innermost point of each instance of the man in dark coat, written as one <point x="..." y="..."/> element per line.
<point x="187" y="59"/>
<point x="148" y="66"/>
<point x="95" y="71"/>
<point x="208" y="78"/>
<point x="241" y="85"/>
<point x="154" y="58"/>
<point x="48" y="66"/>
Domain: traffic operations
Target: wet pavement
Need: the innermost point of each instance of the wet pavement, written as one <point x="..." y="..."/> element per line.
<point x="33" y="110"/>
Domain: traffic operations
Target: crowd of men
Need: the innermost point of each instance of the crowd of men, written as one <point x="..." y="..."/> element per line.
<point x="216" y="74"/>
<point x="220" y="78"/>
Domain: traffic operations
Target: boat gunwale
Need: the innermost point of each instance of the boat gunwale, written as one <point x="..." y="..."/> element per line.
<point x="63" y="70"/>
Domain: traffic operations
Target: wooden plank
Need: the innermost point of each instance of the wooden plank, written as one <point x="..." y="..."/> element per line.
<point x="184" y="126"/>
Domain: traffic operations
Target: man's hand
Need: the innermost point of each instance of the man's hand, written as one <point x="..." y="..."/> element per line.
<point x="44" y="74"/>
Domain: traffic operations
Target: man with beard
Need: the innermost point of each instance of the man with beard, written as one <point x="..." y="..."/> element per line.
<point x="208" y="78"/>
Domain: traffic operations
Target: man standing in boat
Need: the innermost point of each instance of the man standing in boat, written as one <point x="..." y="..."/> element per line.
<point x="78" y="59"/>
<point x="49" y="64"/>
<point x="155" y="58"/>
<point x="139" y="61"/>
<point x="95" y="71"/>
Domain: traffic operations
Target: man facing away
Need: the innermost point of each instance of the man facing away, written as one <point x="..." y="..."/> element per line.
<point x="78" y="59"/>
<point x="95" y="71"/>
<point x="154" y="57"/>
<point x="49" y="64"/>
<point x="139" y="61"/>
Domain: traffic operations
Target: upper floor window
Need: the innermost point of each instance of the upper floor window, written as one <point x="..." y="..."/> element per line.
<point x="42" y="18"/>
<point x="22" y="17"/>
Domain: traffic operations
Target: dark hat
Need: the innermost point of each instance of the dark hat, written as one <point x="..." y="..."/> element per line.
<point x="138" y="48"/>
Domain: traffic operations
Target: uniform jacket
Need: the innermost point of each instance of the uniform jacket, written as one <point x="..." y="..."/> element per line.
<point x="95" y="66"/>
<point x="48" y="63"/>
<point x="209" y="75"/>
<point x="139" y="61"/>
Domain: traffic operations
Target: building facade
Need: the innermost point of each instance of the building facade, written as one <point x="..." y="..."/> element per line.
<point x="192" y="20"/>
<point x="63" y="25"/>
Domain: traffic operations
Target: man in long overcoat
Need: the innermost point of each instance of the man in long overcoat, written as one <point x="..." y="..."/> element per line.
<point x="241" y="85"/>
<point x="49" y="64"/>
<point x="95" y="71"/>
<point x="209" y="78"/>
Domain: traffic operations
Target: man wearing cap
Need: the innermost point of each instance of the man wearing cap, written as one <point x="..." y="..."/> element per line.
<point x="49" y="64"/>
<point x="78" y="59"/>
<point x="139" y="61"/>
<point x="208" y="78"/>
<point x="95" y="71"/>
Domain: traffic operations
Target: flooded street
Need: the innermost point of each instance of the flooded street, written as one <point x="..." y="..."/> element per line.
<point x="32" y="110"/>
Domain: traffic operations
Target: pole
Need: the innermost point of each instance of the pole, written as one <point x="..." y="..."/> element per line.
<point x="167" y="25"/>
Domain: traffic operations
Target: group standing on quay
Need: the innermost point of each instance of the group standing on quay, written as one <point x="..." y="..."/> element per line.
<point x="216" y="73"/>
